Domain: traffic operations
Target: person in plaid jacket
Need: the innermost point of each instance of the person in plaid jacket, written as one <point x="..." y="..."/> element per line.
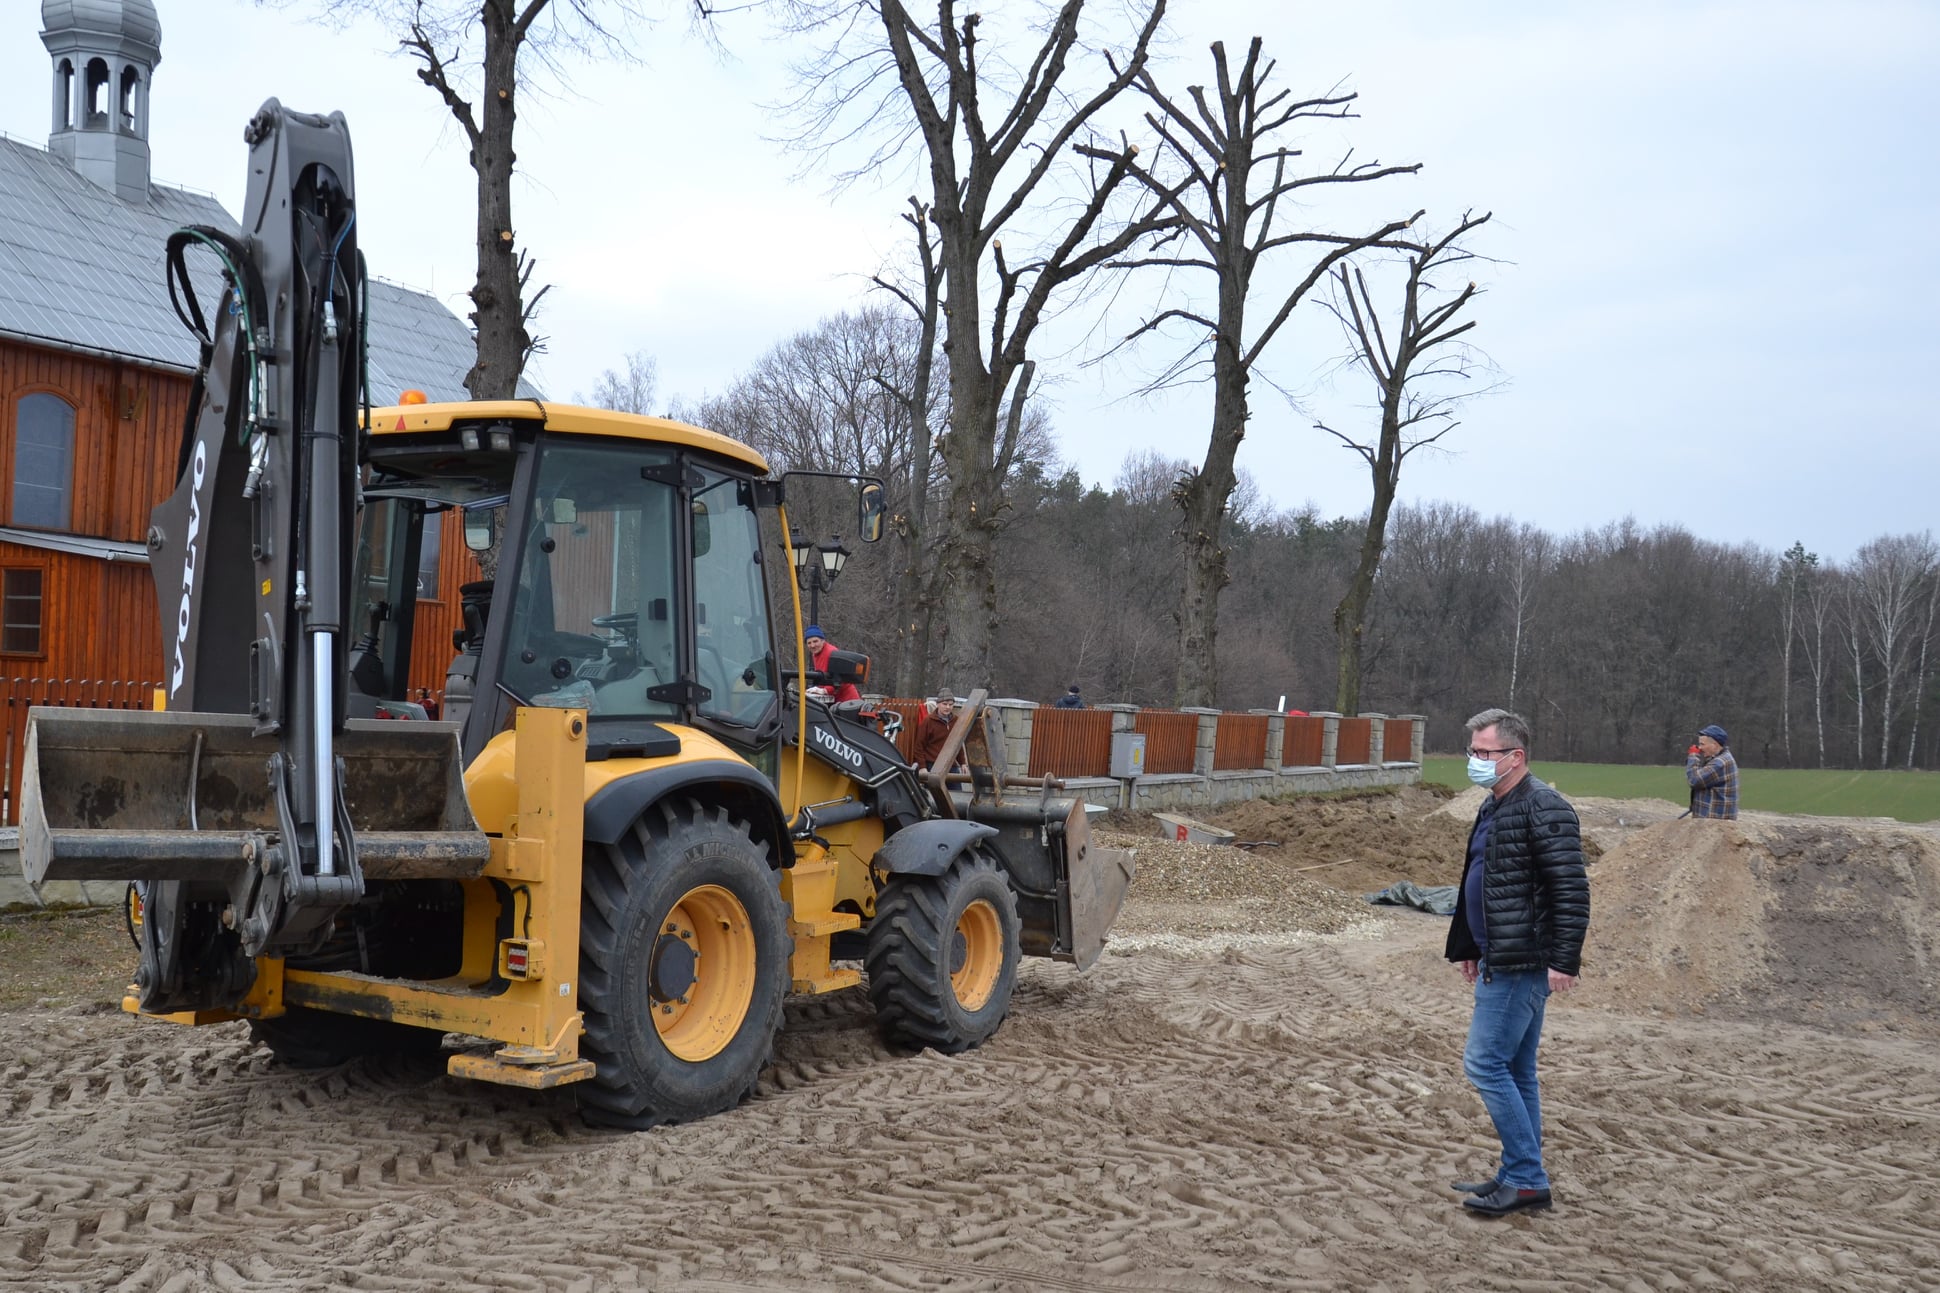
<point x="1713" y="774"/>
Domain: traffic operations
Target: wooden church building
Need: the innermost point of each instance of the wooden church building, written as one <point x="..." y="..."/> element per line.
<point x="95" y="371"/>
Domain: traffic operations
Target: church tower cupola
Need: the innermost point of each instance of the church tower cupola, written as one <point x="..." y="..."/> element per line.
<point x="104" y="53"/>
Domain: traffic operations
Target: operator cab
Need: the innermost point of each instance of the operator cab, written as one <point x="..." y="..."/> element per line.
<point x="629" y="574"/>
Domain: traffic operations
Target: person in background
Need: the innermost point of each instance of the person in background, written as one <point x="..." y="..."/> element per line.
<point x="939" y="717"/>
<point x="1712" y="771"/>
<point x="1070" y="700"/>
<point x="819" y="648"/>
<point x="1522" y="912"/>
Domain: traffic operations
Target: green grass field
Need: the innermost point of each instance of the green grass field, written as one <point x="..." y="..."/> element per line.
<point x="1907" y="796"/>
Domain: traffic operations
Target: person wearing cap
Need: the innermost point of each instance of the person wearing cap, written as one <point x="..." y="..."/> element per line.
<point x="819" y="649"/>
<point x="1070" y="700"/>
<point x="1713" y="773"/>
<point x="939" y="718"/>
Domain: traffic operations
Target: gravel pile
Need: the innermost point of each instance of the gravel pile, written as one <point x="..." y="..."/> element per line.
<point x="1195" y="889"/>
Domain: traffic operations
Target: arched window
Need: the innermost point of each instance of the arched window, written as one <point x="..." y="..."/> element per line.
<point x="97" y="93"/>
<point x="43" y="462"/>
<point x="130" y="86"/>
<point x="64" y="81"/>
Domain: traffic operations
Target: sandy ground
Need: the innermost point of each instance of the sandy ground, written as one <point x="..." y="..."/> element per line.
<point x="1744" y="1094"/>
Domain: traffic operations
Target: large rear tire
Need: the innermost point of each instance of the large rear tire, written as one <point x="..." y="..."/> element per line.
<point x="304" y="1038"/>
<point x="683" y="967"/>
<point x="943" y="954"/>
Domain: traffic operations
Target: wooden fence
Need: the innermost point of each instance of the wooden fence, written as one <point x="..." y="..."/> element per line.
<point x="1398" y="740"/>
<point x="1305" y="743"/>
<point x="1355" y="744"/>
<point x="1239" y="743"/>
<point x="18" y="695"/>
<point x="1070" y="743"/>
<point x="1171" y="739"/>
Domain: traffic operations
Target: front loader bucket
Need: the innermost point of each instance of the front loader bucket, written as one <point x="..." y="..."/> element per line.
<point x="1099" y="879"/>
<point x="1068" y="890"/>
<point x="159" y="795"/>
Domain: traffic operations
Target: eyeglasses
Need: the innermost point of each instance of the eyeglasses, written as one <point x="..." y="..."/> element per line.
<point x="1477" y="752"/>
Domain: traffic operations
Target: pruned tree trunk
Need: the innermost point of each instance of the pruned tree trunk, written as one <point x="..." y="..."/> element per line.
<point x="1350" y="617"/>
<point x="916" y="589"/>
<point x="1202" y="499"/>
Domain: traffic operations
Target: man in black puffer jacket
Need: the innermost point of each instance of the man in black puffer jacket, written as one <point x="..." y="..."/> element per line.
<point x="1520" y="918"/>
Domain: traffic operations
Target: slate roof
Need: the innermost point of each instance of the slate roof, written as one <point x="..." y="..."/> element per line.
<point x="80" y="269"/>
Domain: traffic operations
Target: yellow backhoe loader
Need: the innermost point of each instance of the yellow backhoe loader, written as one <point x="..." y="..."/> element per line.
<point x="633" y="831"/>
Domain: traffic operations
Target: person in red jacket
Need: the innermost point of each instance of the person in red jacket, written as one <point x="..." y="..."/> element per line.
<point x="819" y="648"/>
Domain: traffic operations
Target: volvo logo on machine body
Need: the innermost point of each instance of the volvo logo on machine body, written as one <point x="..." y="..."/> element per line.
<point x="837" y="748"/>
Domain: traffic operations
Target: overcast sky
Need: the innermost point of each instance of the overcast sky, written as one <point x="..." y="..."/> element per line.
<point x="1713" y="273"/>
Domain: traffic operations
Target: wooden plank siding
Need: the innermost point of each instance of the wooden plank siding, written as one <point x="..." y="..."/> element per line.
<point x="127" y="434"/>
<point x="438" y="617"/>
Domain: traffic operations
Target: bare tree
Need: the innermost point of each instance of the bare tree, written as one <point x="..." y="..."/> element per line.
<point x="1932" y="595"/>
<point x="1234" y="182"/>
<point x="1529" y="558"/>
<point x="637" y="390"/>
<point x="1821" y="590"/>
<point x="915" y="600"/>
<point x="469" y="52"/>
<point x="1795" y="569"/>
<point x="1889" y="576"/>
<point x="1852" y="636"/>
<point x="987" y="162"/>
<point x="1415" y="402"/>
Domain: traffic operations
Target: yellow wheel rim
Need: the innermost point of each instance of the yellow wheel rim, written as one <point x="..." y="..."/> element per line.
<point x="977" y="955"/>
<point x="701" y="973"/>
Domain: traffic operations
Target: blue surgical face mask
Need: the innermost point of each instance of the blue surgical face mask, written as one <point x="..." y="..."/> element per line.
<point x="1482" y="771"/>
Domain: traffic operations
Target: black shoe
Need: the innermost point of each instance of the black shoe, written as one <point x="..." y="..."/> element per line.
<point x="1506" y="1198"/>
<point x="1476" y="1187"/>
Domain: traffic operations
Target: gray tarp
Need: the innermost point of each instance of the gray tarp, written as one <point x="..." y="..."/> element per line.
<point x="1436" y="898"/>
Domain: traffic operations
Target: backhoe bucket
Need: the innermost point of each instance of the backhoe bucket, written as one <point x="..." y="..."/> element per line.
<point x="160" y="795"/>
<point x="1068" y="889"/>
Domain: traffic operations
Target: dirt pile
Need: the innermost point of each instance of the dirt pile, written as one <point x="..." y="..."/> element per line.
<point x="1358" y="844"/>
<point x="1809" y="921"/>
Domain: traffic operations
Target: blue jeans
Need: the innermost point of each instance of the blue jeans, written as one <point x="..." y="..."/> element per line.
<point x="1500" y="1061"/>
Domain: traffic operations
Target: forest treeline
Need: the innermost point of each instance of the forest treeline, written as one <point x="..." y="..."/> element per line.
<point x="1617" y="641"/>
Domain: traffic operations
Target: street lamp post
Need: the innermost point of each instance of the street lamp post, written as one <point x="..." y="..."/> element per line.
<point x="817" y="576"/>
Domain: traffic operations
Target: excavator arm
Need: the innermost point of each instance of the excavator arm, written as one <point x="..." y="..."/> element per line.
<point x="249" y="807"/>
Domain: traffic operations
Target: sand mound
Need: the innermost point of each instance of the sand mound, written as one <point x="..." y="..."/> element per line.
<point x="1359" y="844"/>
<point x="1803" y="921"/>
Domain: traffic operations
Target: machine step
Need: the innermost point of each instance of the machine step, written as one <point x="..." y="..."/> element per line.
<point x="833" y="922"/>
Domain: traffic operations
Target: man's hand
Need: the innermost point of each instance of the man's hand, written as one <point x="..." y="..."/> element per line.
<point x="1560" y="982"/>
<point x="1469" y="970"/>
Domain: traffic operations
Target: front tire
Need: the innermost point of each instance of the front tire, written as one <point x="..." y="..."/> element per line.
<point x="943" y="954"/>
<point x="683" y="967"/>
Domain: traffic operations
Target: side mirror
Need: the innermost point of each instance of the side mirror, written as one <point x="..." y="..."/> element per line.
<point x="849" y="666"/>
<point x="871" y="507"/>
<point x="478" y="529"/>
